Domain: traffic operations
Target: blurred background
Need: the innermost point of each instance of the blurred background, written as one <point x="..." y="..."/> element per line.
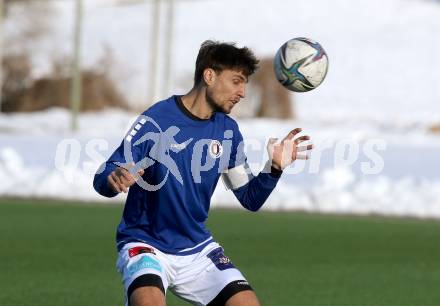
<point x="75" y="74"/>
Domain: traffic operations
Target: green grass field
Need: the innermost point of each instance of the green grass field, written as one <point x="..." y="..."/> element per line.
<point x="63" y="254"/>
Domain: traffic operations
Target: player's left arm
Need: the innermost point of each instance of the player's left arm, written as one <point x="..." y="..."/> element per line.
<point x="284" y="153"/>
<point x="252" y="191"/>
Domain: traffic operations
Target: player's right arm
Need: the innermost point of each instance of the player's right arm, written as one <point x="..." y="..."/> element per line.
<point x="121" y="171"/>
<point x="120" y="179"/>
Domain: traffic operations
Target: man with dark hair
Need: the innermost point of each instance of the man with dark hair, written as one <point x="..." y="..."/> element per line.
<point x="170" y="162"/>
<point x="223" y="56"/>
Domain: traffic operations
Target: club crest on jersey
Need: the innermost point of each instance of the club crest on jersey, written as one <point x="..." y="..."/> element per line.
<point x="215" y="149"/>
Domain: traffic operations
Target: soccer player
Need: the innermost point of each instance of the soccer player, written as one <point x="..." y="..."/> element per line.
<point x="170" y="163"/>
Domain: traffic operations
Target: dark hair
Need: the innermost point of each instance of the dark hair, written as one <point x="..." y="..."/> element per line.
<point x="220" y="56"/>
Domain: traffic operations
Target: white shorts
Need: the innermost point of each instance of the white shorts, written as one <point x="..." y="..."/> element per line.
<point x="197" y="278"/>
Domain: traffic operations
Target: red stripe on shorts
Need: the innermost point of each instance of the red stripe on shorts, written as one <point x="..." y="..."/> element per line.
<point x="140" y="250"/>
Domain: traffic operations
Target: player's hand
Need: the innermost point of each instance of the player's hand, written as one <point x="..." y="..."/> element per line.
<point x="284" y="153"/>
<point x="121" y="179"/>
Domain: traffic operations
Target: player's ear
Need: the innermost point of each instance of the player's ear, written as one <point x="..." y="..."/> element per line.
<point x="209" y="76"/>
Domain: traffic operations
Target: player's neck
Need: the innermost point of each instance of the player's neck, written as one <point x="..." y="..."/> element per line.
<point x="195" y="102"/>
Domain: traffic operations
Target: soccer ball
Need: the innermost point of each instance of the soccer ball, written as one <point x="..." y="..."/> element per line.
<point x="300" y="64"/>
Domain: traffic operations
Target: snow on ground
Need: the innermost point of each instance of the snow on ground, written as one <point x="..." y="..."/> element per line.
<point x="358" y="167"/>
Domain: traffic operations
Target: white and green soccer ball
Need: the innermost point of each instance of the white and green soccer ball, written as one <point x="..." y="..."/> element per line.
<point x="301" y="64"/>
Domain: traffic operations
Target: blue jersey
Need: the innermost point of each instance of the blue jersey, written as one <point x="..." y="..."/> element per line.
<point x="183" y="158"/>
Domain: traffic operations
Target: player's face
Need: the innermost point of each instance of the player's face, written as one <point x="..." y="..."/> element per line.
<point x="225" y="90"/>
